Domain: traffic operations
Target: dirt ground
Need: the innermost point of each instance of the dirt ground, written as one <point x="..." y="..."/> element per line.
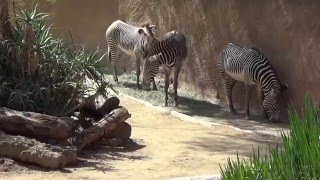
<point x="164" y="147"/>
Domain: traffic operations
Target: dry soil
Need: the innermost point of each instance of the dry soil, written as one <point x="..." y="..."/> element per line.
<point x="163" y="147"/>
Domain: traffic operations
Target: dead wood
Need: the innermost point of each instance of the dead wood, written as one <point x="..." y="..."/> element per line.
<point x="102" y="128"/>
<point x="96" y="106"/>
<point x="110" y="104"/>
<point x="32" y="151"/>
<point x="35" y="125"/>
<point x="122" y="131"/>
<point x="114" y="142"/>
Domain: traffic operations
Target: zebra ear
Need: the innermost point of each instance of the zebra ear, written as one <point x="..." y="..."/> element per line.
<point x="153" y="29"/>
<point x="140" y="31"/>
<point x="284" y="86"/>
<point x="145" y="25"/>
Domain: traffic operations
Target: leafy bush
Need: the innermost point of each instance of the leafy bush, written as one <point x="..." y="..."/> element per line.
<point x="41" y="73"/>
<point x="299" y="159"/>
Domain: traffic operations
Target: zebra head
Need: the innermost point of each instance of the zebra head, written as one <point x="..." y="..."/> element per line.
<point x="150" y="69"/>
<point x="150" y="30"/>
<point x="271" y="103"/>
<point x="147" y="39"/>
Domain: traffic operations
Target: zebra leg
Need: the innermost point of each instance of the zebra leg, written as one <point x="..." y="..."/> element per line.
<point x="261" y="97"/>
<point x="229" y="84"/>
<point x="154" y="87"/>
<point x="138" y="72"/>
<point x="115" y="76"/>
<point x="248" y="96"/>
<point x="113" y="55"/>
<point x="175" y="82"/>
<point x="166" y="85"/>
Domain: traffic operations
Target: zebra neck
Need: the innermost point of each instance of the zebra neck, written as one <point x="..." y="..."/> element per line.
<point x="157" y="47"/>
<point x="265" y="75"/>
<point x="156" y="62"/>
<point x="269" y="81"/>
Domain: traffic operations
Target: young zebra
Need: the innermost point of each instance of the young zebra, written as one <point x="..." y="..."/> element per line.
<point x="249" y="65"/>
<point x="169" y="52"/>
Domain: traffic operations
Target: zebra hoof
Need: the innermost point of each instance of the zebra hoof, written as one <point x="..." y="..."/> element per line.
<point x="155" y="89"/>
<point x="147" y="89"/>
<point x="264" y="116"/>
<point x="166" y="104"/>
<point x="176" y="104"/>
<point x="233" y="112"/>
<point x="273" y="121"/>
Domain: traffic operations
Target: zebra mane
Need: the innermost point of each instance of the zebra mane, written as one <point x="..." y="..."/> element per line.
<point x="271" y="66"/>
<point x="149" y="29"/>
<point x="256" y="49"/>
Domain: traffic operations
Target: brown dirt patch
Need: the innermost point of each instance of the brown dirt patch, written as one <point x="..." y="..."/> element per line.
<point x="163" y="147"/>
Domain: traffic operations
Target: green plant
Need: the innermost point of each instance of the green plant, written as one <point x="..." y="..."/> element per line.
<point x="299" y="158"/>
<point x="41" y="73"/>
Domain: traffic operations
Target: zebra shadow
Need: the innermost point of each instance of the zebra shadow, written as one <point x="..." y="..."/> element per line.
<point x="214" y="113"/>
<point x="203" y="110"/>
<point x="187" y="105"/>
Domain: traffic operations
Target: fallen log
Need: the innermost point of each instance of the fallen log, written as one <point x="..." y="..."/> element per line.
<point x="110" y="104"/>
<point x="114" y="142"/>
<point x="102" y="128"/>
<point x="92" y="109"/>
<point x="32" y="151"/>
<point x="88" y="107"/>
<point x="35" y="125"/>
<point x="96" y="107"/>
<point x="122" y="131"/>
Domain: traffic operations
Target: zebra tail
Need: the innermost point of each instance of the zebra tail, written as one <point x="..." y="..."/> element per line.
<point x="185" y="52"/>
<point x="109" y="54"/>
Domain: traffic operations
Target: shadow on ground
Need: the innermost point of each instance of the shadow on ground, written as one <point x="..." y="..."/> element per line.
<point x="233" y="144"/>
<point x="195" y="107"/>
<point x="97" y="156"/>
<point x="94" y="157"/>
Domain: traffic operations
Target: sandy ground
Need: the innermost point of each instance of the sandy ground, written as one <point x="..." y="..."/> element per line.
<point x="165" y="147"/>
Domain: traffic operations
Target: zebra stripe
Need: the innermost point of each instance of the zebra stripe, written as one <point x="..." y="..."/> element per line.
<point x="250" y="66"/>
<point x="168" y="52"/>
<point x="129" y="39"/>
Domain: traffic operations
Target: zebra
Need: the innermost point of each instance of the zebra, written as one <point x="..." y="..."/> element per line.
<point x="250" y="66"/>
<point x="131" y="40"/>
<point x="169" y="52"/>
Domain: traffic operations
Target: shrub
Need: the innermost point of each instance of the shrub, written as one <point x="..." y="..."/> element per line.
<point x="41" y="73"/>
<point x="299" y="158"/>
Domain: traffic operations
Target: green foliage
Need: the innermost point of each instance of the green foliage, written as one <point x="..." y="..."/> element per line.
<point x="299" y="158"/>
<point x="60" y="74"/>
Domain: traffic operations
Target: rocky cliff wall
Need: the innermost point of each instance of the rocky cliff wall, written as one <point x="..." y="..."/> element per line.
<point x="288" y="32"/>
